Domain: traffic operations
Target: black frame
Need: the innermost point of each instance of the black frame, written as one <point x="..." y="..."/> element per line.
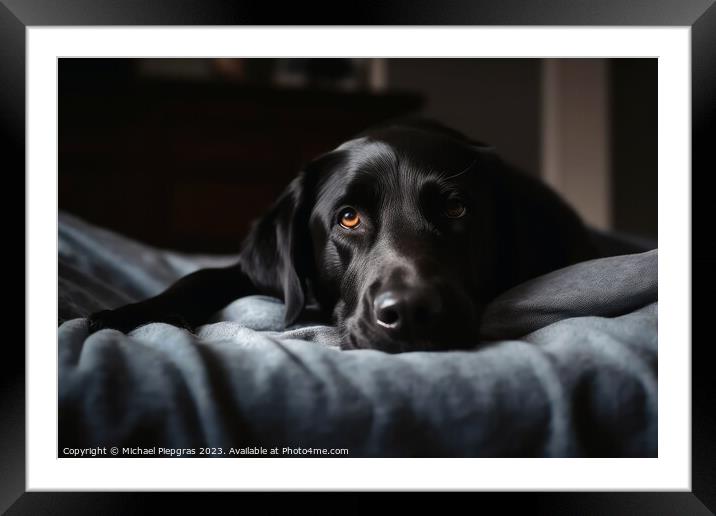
<point x="700" y="15"/>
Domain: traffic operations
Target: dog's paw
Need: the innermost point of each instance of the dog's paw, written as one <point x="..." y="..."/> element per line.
<point x="129" y="317"/>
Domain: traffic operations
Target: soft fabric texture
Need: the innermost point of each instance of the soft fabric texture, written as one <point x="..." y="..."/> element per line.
<point x="567" y="367"/>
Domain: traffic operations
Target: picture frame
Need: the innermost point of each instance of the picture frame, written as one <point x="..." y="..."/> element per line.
<point x="16" y="16"/>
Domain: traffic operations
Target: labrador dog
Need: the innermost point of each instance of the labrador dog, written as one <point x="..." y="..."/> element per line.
<point x="401" y="237"/>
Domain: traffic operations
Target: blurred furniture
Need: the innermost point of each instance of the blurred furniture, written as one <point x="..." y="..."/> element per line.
<point x="188" y="165"/>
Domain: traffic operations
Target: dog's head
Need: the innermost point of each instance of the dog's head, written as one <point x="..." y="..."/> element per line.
<point x="404" y="234"/>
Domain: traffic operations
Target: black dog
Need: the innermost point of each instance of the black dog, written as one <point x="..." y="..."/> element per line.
<point x="401" y="236"/>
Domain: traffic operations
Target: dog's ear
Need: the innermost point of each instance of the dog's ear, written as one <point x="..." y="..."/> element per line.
<point x="274" y="255"/>
<point x="277" y="255"/>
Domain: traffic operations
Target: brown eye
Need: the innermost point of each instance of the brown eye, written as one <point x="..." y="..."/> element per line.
<point x="349" y="218"/>
<point x="454" y="208"/>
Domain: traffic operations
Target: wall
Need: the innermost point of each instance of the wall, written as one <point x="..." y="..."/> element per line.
<point x="493" y="100"/>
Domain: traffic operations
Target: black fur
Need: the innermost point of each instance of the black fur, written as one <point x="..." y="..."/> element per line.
<point x="408" y="277"/>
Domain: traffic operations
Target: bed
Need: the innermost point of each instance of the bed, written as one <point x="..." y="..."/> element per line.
<point x="566" y="367"/>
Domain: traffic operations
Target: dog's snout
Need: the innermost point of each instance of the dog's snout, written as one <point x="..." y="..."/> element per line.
<point x="405" y="313"/>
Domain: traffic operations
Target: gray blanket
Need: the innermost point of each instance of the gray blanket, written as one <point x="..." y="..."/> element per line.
<point x="567" y="367"/>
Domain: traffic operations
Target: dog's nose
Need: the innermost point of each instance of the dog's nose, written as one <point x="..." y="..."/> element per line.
<point x="404" y="314"/>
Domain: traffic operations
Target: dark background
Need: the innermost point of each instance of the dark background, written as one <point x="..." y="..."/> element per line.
<point x="185" y="153"/>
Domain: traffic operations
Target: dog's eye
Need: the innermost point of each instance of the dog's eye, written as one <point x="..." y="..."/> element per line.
<point x="454" y="208"/>
<point x="349" y="218"/>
